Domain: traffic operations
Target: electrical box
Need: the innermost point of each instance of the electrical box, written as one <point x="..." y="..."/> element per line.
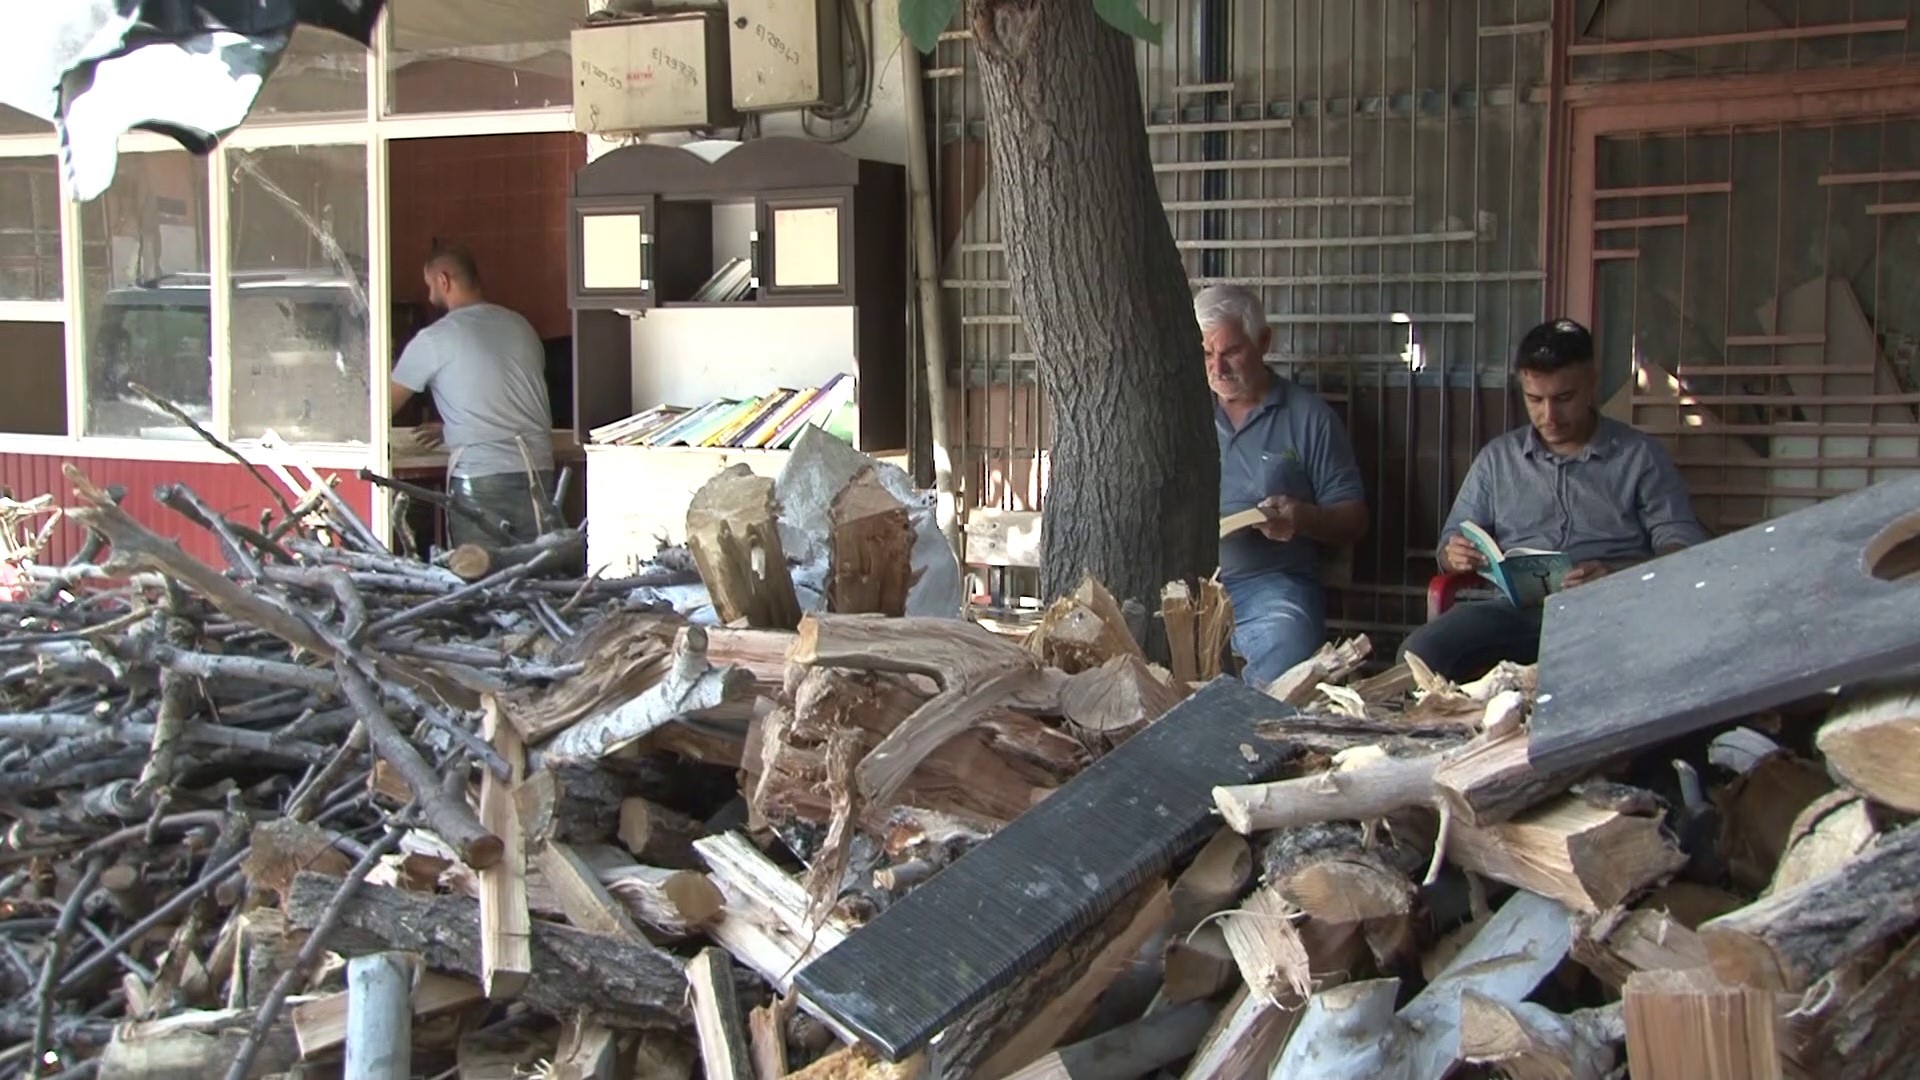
<point x="652" y="74"/>
<point x="786" y="53"/>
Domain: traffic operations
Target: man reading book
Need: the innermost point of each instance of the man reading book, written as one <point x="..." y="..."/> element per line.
<point x="1571" y="481"/>
<point x="1283" y="450"/>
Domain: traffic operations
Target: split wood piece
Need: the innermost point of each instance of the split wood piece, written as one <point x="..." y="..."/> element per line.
<point x="1757" y="812"/>
<point x="691" y="685"/>
<point x="1526" y="1041"/>
<point x="1615" y="946"/>
<point x="975" y="669"/>
<point x="1875" y="1033"/>
<point x="762" y="652"/>
<point x="1213" y="618"/>
<point x="1342" y="1033"/>
<point x="871" y="538"/>
<point x="1684" y="1025"/>
<point x="622" y="656"/>
<point x="1244" y="1040"/>
<point x="1787" y="941"/>
<point x="625" y="984"/>
<point x="1587" y="858"/>
<point x="471" y="562"/>
<point x="1066" y="1011"/>
<point x="767" y="1041"/>
<point x="1267" y="948"/>
<point x="1198" y="965"/>
<point x="1177" y="616"/>
<point x="1298" y="685"/>
<point x="283" y="847"/>
<point x="735" y="541"/>
<point x="677" y="903"/>
<point x="1489" y="780"/>
<point x="574" y="804"/>
<point x="587" y="903"/>
<point x="379" y="1042"/>
<point x="320" y="1024"/>
<point x="1831" y="832"/>
<point x="859" y="1063"/>
<point x="587" y="1051"/>
<point x="829" y="869"/>
<point x="1212" y="881"/>
<point x="506" y="956"/>
<point x="1130" y="1050"/>
<point x="187" y="1045"/>
<point x="447" y="813"/>
<point x="1109" y="703"/>
<point x="1082" y="630"/>
<point x="1381" y="786"/>
<point x="1874" y="745"/>
<point x="1392" y="683"/>
<point x="716" y="1017"/>
<point x="1331" y="873"/>
<point x="659" y="836"/>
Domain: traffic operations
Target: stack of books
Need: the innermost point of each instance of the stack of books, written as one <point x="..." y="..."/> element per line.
<point x="768" y="422"/>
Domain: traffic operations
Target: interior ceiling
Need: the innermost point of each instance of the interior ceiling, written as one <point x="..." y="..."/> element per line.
<point x="423" y="25"/>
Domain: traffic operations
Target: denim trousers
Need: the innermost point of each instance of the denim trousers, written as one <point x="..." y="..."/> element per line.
<point x="1279" y="619"/>
<point x="501" y="495"/>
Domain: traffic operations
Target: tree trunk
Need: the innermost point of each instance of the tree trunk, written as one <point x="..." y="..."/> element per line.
<point x="1133" y="488"/>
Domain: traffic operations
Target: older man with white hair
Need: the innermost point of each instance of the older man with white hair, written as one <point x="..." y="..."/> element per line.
<point x="1284" y="450"/>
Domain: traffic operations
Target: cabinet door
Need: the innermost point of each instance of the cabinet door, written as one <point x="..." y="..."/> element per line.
<point x="802" y="250"/>
<point x="611" y="253"/>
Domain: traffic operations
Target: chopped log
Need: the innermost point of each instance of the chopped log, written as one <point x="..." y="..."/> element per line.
<point x="1198" y="965"/>
<point x="1489" y="780"/>
<point x="1298" y="685"/>
<point x="320" y="1024"/>
<point x="283" y="847"/>
<point x="574" y="804"/>
<point x="1128" y="1051"/>
<point x="1213" y="880"/>
<point x="506" y="958"/>
<point x="1874" y="745"/>
<point x="1107" y="704"/>
<point x="1757" y="811"/>
<point x="762" y="652"/>
<point x="1065" y="1012"/>
<point x="735" y="541"/>
<point x="588" y="904"/>
<point x="1082" y="630"/>
<point x="677" y="903"/>
<point x="1243" y="1041"/>
<point x="1342" y="1033"/>
<point x="587" y="1051"/>
<point x="471" y="562"/>
<point x="657" y="835"/>
<point x="975" y="669"/>
<point x="1830" y="832"/>
<point x="691" y="685"/>
<point x="767" y="1041"/>
<point x="1647" y="939"/>
<point x="1177" y="615"/>
<point x="626" y="984"/>
<point x="716" y="1017"/>
<point x="190" y="1045"/>
<point x="379" y="1017"/>
<point x="1587" y="858"/>
<point x="1528" y="1042"/>
<point x="859" y="1063"/>
<point x="1683" y="1025"/>
<point x="1380" y="787"/>
<point x="1787" y="941"/>
<point x="1875" y="1033"/>
<point x="871" y="538"/>
<point x="622" y="657"/>
<point x="1329" y="872"/>
<point x="1267" y="948"/>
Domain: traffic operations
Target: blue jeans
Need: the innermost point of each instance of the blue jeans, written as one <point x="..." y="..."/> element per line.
<point x="1279" y="619"/>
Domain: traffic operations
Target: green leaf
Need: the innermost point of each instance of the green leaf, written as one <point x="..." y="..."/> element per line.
<point x="923" y="21"/>
<point x="1125" y="16"/>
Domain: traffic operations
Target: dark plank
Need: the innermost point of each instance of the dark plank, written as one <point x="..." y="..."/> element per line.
<point x="1754" y="619"/>
<point x="1004" y="907"/>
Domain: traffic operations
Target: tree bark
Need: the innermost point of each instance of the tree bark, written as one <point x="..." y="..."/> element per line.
<point x="1134" y="474"/>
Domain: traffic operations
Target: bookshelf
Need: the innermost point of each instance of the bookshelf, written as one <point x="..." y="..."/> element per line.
<point x="728" y="271"/>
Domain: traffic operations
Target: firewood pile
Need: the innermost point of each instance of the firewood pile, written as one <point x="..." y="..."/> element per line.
<point x="332" y="811"/>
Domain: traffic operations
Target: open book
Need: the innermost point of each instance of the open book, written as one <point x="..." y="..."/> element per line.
<point x="1525" y="576"/>
<point x="1233" y="523"/>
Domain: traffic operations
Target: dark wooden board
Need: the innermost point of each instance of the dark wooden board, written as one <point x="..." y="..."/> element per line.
<point x="1005" y="906"/>
<point x="1754" y="619"/>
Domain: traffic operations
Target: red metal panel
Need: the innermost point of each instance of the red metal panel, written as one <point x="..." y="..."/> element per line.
<point x="228" y="488"/>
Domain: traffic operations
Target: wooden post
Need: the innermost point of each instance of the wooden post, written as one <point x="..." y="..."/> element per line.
<point x="505" y="924"/>
<point x="380" y="1017"/>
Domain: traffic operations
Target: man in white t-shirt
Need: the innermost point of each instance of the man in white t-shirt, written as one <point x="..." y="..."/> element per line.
<point x="487" y="371"/>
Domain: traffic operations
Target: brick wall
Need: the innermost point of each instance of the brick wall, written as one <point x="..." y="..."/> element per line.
<point x="505" y="197"/>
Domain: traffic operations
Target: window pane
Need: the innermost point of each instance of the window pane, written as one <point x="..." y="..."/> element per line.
<point x="458" y="56"/>
<point x="36" y="357"/>
<point x="321" y="73"/>
<point x="29" y="229"/>
<point x="299" y="325"/>
<point x="144" y="251"/>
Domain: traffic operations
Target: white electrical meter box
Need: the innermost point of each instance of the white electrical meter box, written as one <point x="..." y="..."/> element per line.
<point x="652" y="74"/>
<point x="786" y="53"/>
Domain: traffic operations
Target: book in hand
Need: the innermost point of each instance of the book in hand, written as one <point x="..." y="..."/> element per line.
<point x="1525" y="576"/>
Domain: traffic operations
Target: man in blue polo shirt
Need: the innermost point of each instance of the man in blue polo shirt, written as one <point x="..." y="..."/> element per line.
<point x="1571" y="480"/>
<point x="1284" y="450"/>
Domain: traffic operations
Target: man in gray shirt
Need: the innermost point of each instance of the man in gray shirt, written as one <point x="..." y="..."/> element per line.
<point x="1572" y="481"/>
<point x="487" y="371"/>
<point x="1282" y="449"/>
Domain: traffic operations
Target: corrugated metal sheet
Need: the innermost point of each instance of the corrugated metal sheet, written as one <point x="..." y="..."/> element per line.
<point x="228" y="488"/>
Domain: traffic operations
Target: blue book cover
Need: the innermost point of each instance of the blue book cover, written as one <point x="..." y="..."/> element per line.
<point x="1525" y="576"/>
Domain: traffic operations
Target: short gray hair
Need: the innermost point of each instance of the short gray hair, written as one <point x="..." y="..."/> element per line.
<point x="1217" y="305"/>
